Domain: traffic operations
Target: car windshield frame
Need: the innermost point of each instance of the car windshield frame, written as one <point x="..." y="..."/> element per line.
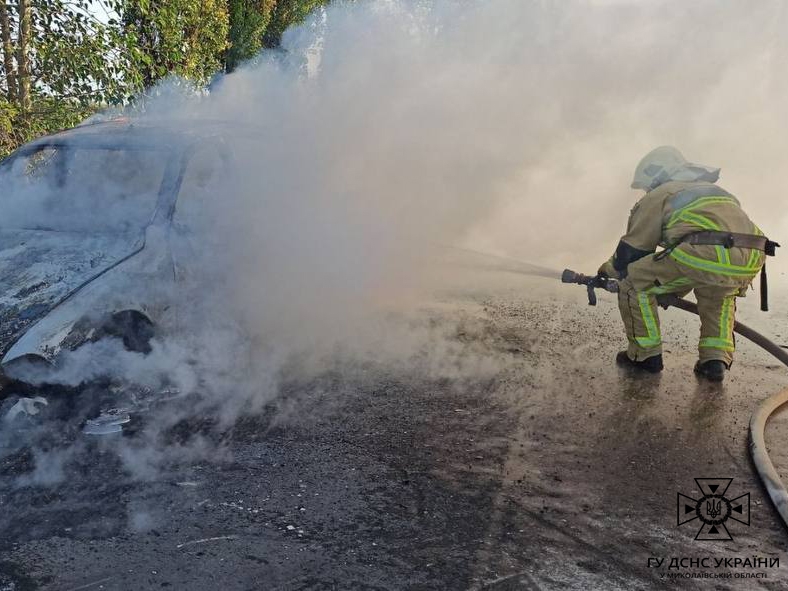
<point x="162" y="195"/>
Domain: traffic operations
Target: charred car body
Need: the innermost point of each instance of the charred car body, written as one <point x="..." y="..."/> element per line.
<point x="97" y="231"/>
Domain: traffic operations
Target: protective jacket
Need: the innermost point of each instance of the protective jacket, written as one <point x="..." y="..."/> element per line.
<point x="669" y="214"/>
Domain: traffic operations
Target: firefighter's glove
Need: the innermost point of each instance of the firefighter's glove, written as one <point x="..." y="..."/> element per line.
<point x="607" y="269"/>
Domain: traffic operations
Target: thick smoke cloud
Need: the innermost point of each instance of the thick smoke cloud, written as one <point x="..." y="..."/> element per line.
<point x="387" y="129"/>
<point x="603" y="82"/>
<point x="507" y="126"/>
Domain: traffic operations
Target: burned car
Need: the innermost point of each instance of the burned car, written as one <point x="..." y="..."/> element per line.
<point x="96" y="233"/>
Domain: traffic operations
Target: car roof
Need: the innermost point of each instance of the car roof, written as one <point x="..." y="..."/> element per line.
<point x="147" y="134"/>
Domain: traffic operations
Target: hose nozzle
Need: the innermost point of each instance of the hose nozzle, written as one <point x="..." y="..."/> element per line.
<point x="569" y="276"/>
<point x="591" y="282"/>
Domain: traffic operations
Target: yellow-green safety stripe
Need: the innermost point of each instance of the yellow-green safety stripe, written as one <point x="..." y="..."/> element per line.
<point x="723" y="255"/>
<point x="716" y="343"/>
<point x="724" y="341"/>
<point x="699" y="220"/>
<point x="670" y="286"/>
<point x="685" y="215"/>
<point x="754" y="261"/>
<point x="711" y="266"/>
<point x="676" y="215"/>
<point x="756" y="256"/>
<point x="654" y="338"/>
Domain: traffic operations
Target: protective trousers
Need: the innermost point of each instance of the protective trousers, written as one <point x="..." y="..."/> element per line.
<point x="716" y="297"/>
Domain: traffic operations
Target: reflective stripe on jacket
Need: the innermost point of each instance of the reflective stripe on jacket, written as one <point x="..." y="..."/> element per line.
<point x="674" y="209"/>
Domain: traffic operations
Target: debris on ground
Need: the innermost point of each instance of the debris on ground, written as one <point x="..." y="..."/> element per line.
<point x="22" y="408"/>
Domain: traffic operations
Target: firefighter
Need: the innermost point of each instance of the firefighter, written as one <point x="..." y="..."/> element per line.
<point x="709" y="246"/>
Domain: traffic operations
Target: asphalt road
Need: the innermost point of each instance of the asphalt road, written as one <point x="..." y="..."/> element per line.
<point x="548" y="468"/>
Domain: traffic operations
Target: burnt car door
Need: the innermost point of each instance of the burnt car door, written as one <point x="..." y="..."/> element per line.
<point x="195" y="234"/>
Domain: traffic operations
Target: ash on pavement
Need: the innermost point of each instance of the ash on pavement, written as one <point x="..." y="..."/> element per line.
<point x="557" y="471"/>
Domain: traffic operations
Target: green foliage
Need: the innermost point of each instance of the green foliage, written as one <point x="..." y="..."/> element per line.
<point x="184" y="38"/>
<point x="7" y="115"/>
<point x="248" y="22"/>
<point x="76" y="56"/>
<point x="287" y="13"/>
<point x="46" y="115"/>
<point x="258" y="24"/>
<point x="60" y="62"/>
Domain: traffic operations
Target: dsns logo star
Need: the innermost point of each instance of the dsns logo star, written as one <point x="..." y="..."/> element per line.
<point x="713" y="509"/>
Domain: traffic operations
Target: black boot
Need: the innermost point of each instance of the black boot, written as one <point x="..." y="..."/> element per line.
<point x="713" y="370"/>
<point x="651" y="365"/>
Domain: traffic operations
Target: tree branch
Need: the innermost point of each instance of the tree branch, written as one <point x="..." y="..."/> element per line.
<point x="8" y="53"/>
<point x="23" y="75"/>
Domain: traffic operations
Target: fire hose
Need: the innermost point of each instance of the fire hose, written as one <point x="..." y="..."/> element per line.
<point x="760" y="457"/>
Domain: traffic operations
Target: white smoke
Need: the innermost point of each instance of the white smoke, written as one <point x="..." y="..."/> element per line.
<point x="388" y="127"/>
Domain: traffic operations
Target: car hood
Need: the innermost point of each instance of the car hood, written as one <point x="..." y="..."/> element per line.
<point x="41" y="268"/>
